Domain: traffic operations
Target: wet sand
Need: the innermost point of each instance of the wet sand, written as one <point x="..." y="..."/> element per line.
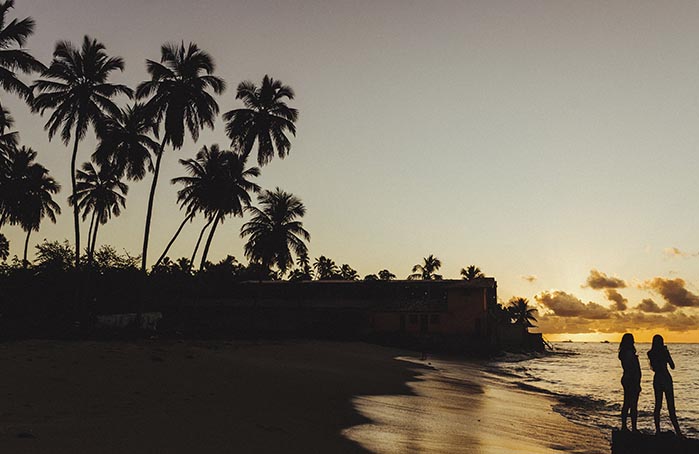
<point x="267" y="397"/>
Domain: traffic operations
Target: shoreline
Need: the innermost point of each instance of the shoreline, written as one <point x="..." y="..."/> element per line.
<point x="290" y="396"/>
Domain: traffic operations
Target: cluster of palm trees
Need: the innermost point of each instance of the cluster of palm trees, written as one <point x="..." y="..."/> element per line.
<point x="177" y="101"/>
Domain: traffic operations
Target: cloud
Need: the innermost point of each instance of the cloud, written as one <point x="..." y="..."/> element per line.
<point x="673" y="252"/>
<point x="598" y="280"/>
<point x="673" y="291"/>
<point x="648" y="305"/>
<point x="619" y="322"/>
<point x="564" y="304"/>
<point x="529" y="278"/>
<point x="620" y="303"/>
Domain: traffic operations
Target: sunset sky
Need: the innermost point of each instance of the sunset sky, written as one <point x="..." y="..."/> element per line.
<point x="555" y="144"/>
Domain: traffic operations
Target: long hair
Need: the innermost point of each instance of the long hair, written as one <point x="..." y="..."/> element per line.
<point x="656" y="354"/>
<point x="626" y="344"/>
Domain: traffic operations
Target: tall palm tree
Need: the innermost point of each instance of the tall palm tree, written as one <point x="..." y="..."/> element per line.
<point x="521" y="313"/>
<point x="8" y="142"/>
<point x="325" y="268"/>
<point x="13" y="58"/>
<point x="275" y="230"/>
<point x="75" y="87"/>
<point x="179" y="98"/>
<point x="125" y="143"/>
<point x="218" y="185"/>
<point x="471" y="272"/>
<point x="427" y="269"/>
<point x="100" y="194"/>
<point x="266" y="119"/>
<point x="31" y="190"/>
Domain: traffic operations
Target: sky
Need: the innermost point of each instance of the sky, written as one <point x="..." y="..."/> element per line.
<point x="551" y="143"/>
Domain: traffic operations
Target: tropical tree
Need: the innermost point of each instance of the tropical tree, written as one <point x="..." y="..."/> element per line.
<point x="521" y="313"/>
<point x="304" y="271"/>
<point x="13" y="57"/>
<point x="325" y="268"/>
<point x="125" y="143"/>
<point x="179" y="98"/>
<point x="471" y="272"/>
<point x="218" y="185"/>
<point x="427" y="269"/>
<point x="265" y="119"/>
<point x="386" y="275"/>
<point x="99" y="194"/>
<point x="31" y="190"/>
<point x="4" y="247"/>
<point x="8" y="142"/>
<point x="347" y="273"/>
<point x="371" y="277"/>
<point x="75" y="87"/>
<point x="275" y="231"/>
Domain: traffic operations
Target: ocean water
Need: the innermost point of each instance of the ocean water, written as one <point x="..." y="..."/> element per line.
<point x="586" y="380"/>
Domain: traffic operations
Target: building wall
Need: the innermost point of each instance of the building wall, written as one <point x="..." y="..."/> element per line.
<point x="465" y="315"/>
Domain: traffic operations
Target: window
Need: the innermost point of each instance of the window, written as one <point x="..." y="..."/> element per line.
<point x="434" y="319"/>
<point x="413" y="319"/>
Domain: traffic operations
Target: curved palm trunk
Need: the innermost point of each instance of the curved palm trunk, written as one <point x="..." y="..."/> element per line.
<point x="94" y="240"/>
<point x="196" y="247"/>
<point x="208" y="242"/>
<point x="76" y="217"/>
<point x="149" y="213"/>
<point x="89" y="236"/>
<point x="26" y="246"/>
<point x="167" y="248"/>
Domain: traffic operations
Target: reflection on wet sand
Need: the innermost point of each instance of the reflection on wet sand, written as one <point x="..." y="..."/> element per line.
<point x="458" y="408"/>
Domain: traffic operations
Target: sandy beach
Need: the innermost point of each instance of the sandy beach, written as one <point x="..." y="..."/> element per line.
<point x="268" y="397"/>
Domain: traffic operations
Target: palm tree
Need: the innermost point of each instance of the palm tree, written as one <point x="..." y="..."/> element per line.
<point x="31" y="190"/>
<point x="325" y="268"/>
<point x="386" y="275"/>
<point x="218" y="185"/>
<point x="13" y="59"/>
<point x="275" y="230"/>
<point x="178" y="98"/>
<point x="125" y="144"/>
<point x="101" y="194"/>
<point x="266" y="119"/>
<point x="521" y="313"/>
<point x="427" y="269"/>
<point x="76" y="89"/>
<point x="4" y="248"/>
<point x="347" y="273"/>
<point x="471" y="272"/>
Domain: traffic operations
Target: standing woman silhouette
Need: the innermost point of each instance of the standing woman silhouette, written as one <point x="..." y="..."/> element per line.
<point x="630" y="380"/>
<point x="660" y="358"/>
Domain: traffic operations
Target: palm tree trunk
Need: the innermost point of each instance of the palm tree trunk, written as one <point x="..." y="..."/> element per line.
<point x="89" y="236"/>
<point x="94" y="240"/>
<point x="167" y="248"/>
<point x="208" y="242"/>
<point x="149" y="213"/>
<point x="201" y="235"/>
<point x="26" y="246"/>
<point x="76" y="217"/>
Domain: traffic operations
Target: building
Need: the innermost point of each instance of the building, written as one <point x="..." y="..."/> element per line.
<point x="452" y="312"/>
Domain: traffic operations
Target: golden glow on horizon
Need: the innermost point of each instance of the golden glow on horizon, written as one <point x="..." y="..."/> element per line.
<point x="641" y="336"/>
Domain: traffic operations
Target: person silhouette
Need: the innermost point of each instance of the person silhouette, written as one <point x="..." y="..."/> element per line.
<point x="630" y="380"/>
<point x="660" y="358"/>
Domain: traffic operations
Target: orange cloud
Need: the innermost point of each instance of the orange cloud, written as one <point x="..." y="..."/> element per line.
<point x="673" y="291"/>
<point x="598" y="280"/>
<point x="620" y="303"/>
<point x="564" y="304"/>
<point x="648" y="305"/>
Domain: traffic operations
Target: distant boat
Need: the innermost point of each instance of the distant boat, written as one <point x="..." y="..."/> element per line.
<point x="568" y="341"/>
<point x="605" y="342"/>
